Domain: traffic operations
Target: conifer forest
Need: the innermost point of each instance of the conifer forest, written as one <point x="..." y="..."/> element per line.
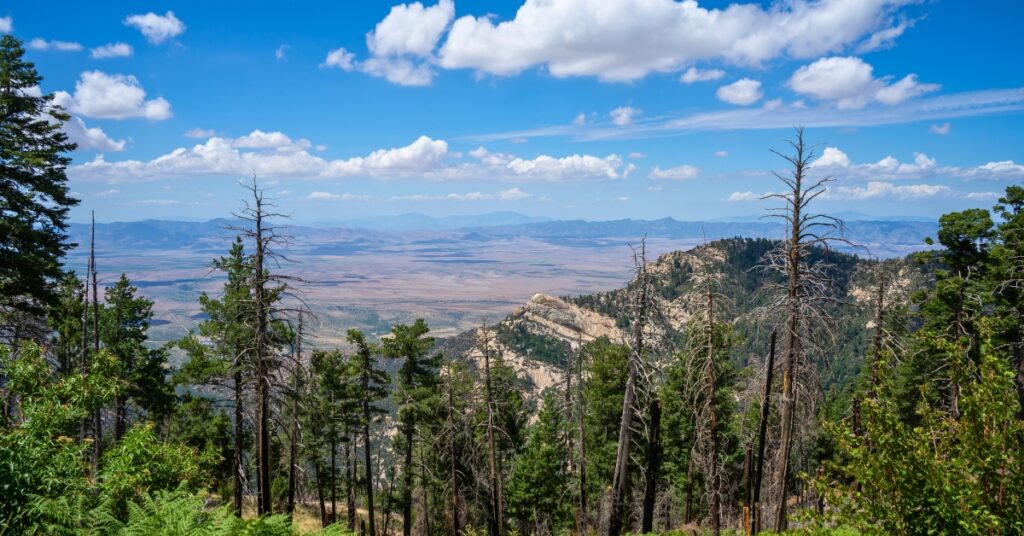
<point x="790" y="383"/>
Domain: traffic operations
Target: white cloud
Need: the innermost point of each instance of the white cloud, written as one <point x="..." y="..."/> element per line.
<point x="90" y="137"/>
<point x="156" y="28"/>
<point x="112" y="96"/>
<point x="399" y="70"/>
<point x="512" y="194"/>
<point x="851" y="84"/>
<point x="61" y="46"/>
<point x="680" y="173"/>
<point x="742" y="92"/>
<point x="107" y="193"/>
<point x="274" y="154"/>
<point x="636" y="155"/>
<point x="623" y="115"/>
<point x="6" y="24"/>
<point x="111" y="50"/>
<point x="884" y="38"/>
<point x="836" y="163"/>
<point x="339" y="58"/>
<point x="949" y="106"/>
<point x="281" y="53"/>
<point x="628" y="39"/>
<point x="410" y="29"/>
<point x="159" y="202"/>
<point x="879" y="190"/>
<point x="327" y="196"/>
<point x="402" y="44"/>
<point x="580" y="119"/>
<point x="737" y="197"/>
<point x="721" y="153"/>
<point x="941" y="130"/>
<point x="200" y="133"/>
<point x="694" y="74"/>
<point x="907" y="88"/>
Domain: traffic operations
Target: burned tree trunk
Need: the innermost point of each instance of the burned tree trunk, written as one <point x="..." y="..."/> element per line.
<point x="652" y="469"/>
<point x="762" y="429"/>
<point x="621" y="474"/>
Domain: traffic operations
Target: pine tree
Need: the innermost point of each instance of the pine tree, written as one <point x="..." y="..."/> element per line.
<point x="221" y="361"/>
<point x="123" y="326"/>
<point x="373" y="383"/>
<point x="417" y="378"/>
<point x="537" y="482"/>
<point x="34" y="197"/>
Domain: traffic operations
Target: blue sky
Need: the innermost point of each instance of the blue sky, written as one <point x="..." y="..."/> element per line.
<point x="561" y="108"/>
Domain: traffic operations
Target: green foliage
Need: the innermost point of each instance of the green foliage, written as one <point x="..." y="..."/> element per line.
<point x="520" y="340"/>
<point x="34" y="196"/>
<point x="944" y="475"/>
<point x="603" y="391"/>
<point x="537" y="482"/>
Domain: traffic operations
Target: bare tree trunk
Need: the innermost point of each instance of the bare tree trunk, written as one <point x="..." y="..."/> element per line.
<point x="388" y="502"/>
<point x="451" y="453"/>
<point x="714" y="477"/>
<point x="350" y="489"/>
<point x="621" y="473"/>
<point x="497" y="528"/>
<point x="410" y="428"/>
<point x="581" y="410"/>
<point x="98" y="414"/>
<point x="334" y="477"/>
<point x="688" y="514"/>
<point x="653" y="468"/>
<point x="366" y="444"/>
<point x="762" y="430"/>
<point x="320" y="493"/>
<point x="236" y="455"/>
<point x="293" y="446"/>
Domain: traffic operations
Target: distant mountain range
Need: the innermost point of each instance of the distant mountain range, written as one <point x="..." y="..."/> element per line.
<point x="893" y="237"/>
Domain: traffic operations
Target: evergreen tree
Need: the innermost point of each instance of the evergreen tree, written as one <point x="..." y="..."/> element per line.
<point x="417" y="379"/>
<point x="34" y="197"/>
<point x="372" y="387"/>
<point x="221" y="361"/>
<point x="537" y="482"/>
<point x="123" y="326"/>
<point x="65" y="319"/>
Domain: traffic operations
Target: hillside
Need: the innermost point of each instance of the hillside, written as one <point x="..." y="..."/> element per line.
<point x="536" y="336"/>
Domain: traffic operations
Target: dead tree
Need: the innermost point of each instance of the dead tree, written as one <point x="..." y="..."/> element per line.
<point x="762" y="430"/>
<point x="807" y="285"/>
<point x="98" y="414"/>
<point x="268" y="289"/>
<point x="641" y="310"/>
<point x="497" y="501"/>
<point x="652" y="468"/>
<point x="580" y="412"/>
<point x="293" y="444"/>
<point x="451" y="452"/>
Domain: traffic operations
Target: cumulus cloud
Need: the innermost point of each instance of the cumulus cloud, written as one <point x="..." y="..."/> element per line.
<point x="680" y="173"/>
<point x="92" y="138"/>
<point x="694" y="74"/>
<point x="879" y="190"/>
<point x="401" y="45"/>
<point x="838" y="164"/>
<point x="156" y="28"/>
<point x="742" y="92"/>
<point x="60" y="46"/>
<point x="6" y="24"/>
<point x="627" y="39"/>
<point x="340" y="58"/>
<point x="112" y="96"/>
<point x="623" y="115"/>
<point x="851" y="84"/>
<point x="112" y="50"/>
<point x="276" y="154"/>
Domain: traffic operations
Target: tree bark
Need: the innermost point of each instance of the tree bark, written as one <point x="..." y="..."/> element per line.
<point x="621" y="473"/>
<point x="410" y="427"/>
<point x="98" y="414"/>
<point x="366" y="444"/>
<point x="497" y="523"/>
<point x="580" y="410"/>
<point x="653" y="469"/>
<point x="714" y="477"/>
<point x="451" y="453"/>
<point x="236" y="455"/>
<point x="762" y="430"/>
